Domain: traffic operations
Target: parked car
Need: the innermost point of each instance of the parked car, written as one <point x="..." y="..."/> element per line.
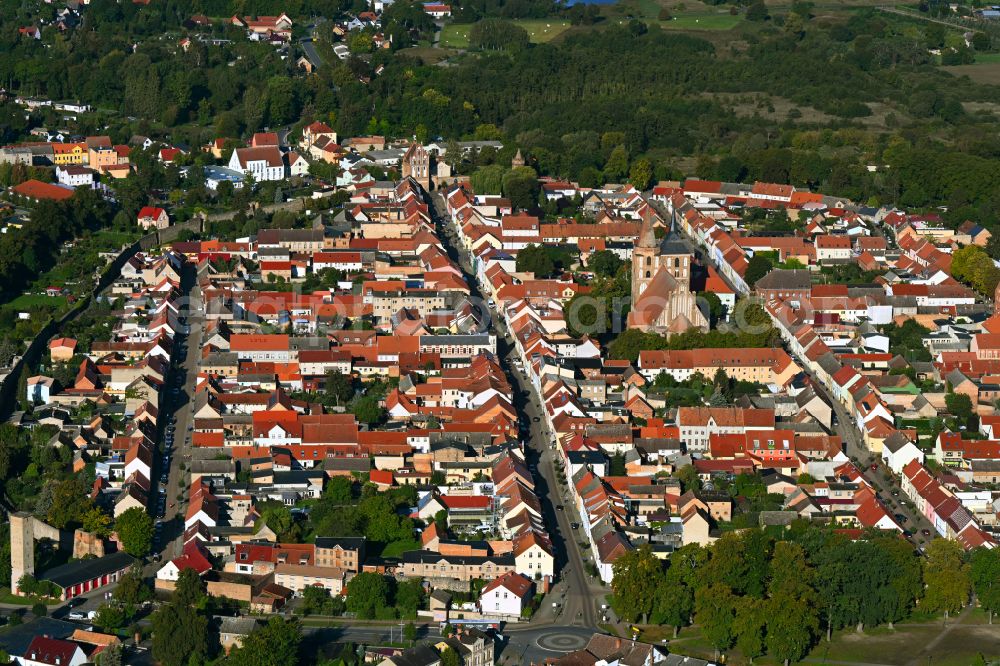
<point x="77" y="615"/>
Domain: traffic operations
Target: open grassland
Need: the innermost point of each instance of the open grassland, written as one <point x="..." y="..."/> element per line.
<point x="957" y="644"/>
<point x="980" y="72"/>
<point x="456" y="35"/>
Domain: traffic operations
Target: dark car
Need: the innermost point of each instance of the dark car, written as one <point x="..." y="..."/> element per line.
<point x="925" y="532"/>
<point x="559" y="507"/>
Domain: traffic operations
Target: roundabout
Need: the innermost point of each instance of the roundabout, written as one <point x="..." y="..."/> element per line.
<point x="563" y="639"/>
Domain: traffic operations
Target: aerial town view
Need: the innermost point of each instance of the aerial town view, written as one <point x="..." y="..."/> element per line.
<point x="499" y="332"/>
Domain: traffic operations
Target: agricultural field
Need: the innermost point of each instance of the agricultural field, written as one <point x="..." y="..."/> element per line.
<point x="456" y="35"/>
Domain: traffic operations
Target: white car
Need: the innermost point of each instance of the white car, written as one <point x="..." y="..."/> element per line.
<point x="77" y="615"/>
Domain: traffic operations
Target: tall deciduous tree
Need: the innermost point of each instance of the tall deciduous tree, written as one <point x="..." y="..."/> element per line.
<point x="791" y="626"/>
<point x="135" y="530"/>
<point x="946" y="577"/>
<point x="180" y="635"/>
<point x="748" y="626"/>
<point x="276" y="643"/>
<point x="985" y="575"/>
<point x="636" y="576"/>
<point x="715" y="611"/>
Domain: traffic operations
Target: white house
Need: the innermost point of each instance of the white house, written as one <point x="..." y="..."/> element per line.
<point x="193" y="557"/>
<point x="898" y="451"/>
<point x="506" y="596"/>
<point x="39" y="389"/>
<point x="263" y="163"/>
<point x="74" y="175"/>
<point x="533" y="555"/>
<point x="297" y="165"/>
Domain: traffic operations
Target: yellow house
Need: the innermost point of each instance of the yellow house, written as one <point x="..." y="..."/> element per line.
<point x="69" y="153"/>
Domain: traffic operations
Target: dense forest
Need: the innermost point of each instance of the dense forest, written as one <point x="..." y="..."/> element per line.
<point x="689" y="105"/>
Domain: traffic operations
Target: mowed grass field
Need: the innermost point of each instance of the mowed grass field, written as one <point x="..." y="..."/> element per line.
<point x="907" y="644"/>
<point x="980" y="72"/>
<point x="456" y="36"/>
<point x="714" y="21"/>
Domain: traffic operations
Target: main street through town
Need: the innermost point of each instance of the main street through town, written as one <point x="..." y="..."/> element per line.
<point x="179" y="406"/>
<point x="575" y="597"/>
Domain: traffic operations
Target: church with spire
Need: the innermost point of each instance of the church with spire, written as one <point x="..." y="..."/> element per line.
<point x="662" y="300"/>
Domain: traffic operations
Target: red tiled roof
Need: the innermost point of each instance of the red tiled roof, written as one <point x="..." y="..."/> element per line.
<point x="36" y="189"/>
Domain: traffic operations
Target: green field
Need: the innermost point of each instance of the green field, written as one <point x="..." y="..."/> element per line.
<point x="456" y="36"/>
<point x="397" y="548"/>
<point x="32" y="301"/>
<point x="907" y="644"/>
<point x="717" y="21"/>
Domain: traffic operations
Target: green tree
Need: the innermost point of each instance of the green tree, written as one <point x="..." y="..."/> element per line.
<point x="535" y="259"/>
<point x="758" y="266"/>
<point x="688" y="476"/>
<point x="109" y="656"/>
<point x="520" y="185"/>
<point x="450" y="658"/>
<point x="493" y="34"/>
<point x="675" y="595"/>
<point x="791" y="627"/>
<point x="279" y="518"/>
<point x="488" y="179"/>
<point x="339" y="385"/>
<point x="190" y="589"/>
<point x="409" y="597"/>
<point x="757" y="11"/>
<point x="641" y="174"/>
<point x="636" y="576"/>
<point x="132" y="590"/>
<point x="410" y="632"/>
<point x="70" y="502"/>
<point x="617" y="165"/>
<point x="39" y="609"/>
<point x="946" y="577"/>
<point x="368" y="409"/>
<point x="715" y="612"/>
<point x="135" y="530"/>
<point x="97" y="522"/>
<point x="339" y="490"/>
<point x="367" y="592"/>
<point x="985" y="575"/>
<point x="748" y="626"/>
<point x="110" y="617"/>
<point x="180" y="635"/>
<point x="604" y="263"/>
<point x="276" y="642"/>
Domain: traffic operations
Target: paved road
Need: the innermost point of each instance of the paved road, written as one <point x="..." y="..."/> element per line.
<point x="179" y="405"/>
<point x="309" y="46"/>
<point x="954" y="25"/>
<point x="520" y="645"/>
<point x="576" y="594"/>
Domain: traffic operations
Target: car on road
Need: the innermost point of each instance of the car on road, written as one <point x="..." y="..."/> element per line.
<point x="77" y="615"/>
<point x="900" y="518"/>
<point x="926" y="532"/>
<point x="874" y="467"/>
<point x="575" y="526"/>
<point x="559" y="507"/>
<point x="895" y="492"/>
<point x="535" y="419"/>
